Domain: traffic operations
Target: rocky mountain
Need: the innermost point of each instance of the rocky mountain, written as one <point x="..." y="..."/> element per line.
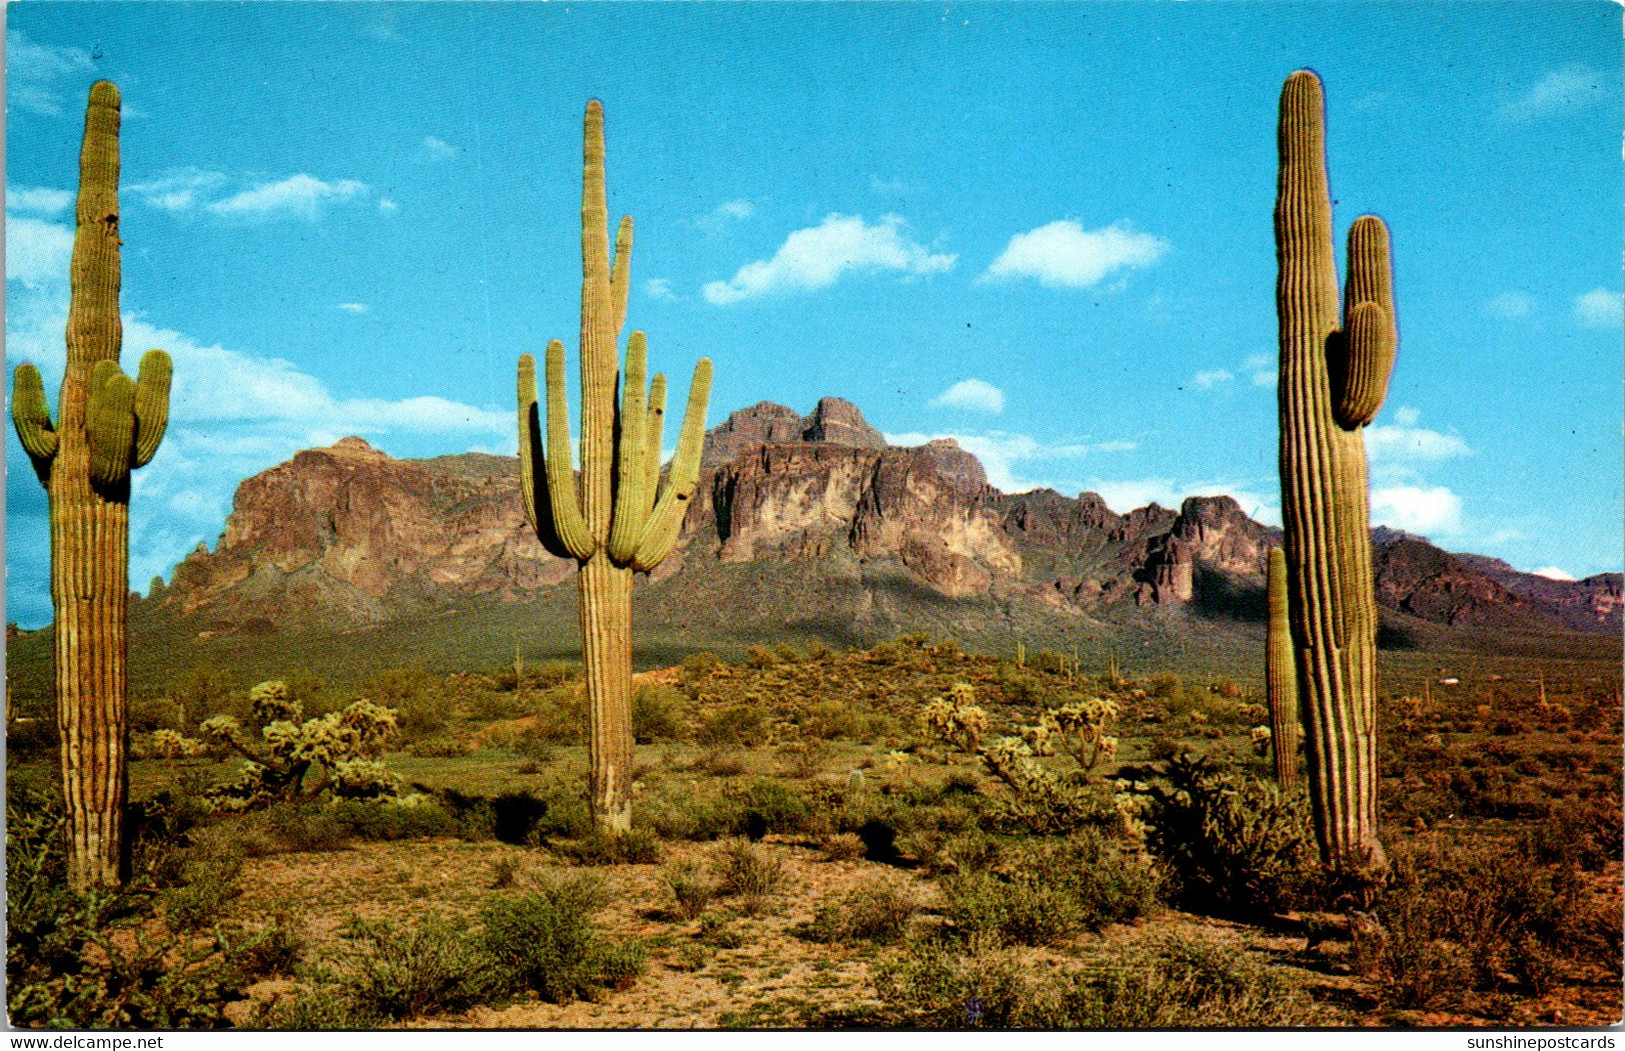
<point x="347" y="535"/>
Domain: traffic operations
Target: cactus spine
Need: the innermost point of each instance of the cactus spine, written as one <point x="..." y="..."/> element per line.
<point x="1333" y="378"/>
<point x="107" y="425"/>
<point x="622" y="521"/>
<point x="1281" y="680"/>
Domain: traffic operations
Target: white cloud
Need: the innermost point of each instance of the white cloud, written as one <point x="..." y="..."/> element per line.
<point x="1599" y="308"/>
<point x="1428" y="510"/>
<point x="1567" y="88"/>
<point x="1511" y="305"/>
<point x="1404" y="442"/>
<point x="1066" y="255"/>
<point x="894" y="187"/>
<point x="232" y="414"/>
<point x="1553" y="573"/>
<point x="387" y="206"/>
<point x="817" y="256"/>
<point x="1016" y="463"/>
<point x="178" y="190"/>
<point x="437" y="149"/>
<point x="740" y="209"/>
<point x="973" y="394"/>
<point x="1262" y="369"/>
<point x="38" y="76"/>
<point x="37" y="252"/>
<point x="300" y="195"/>
<point x="38" y="200"/>
<point x="659" y="288"/>
<point x="1208" y="378"/>
<point x="354" y="308"/>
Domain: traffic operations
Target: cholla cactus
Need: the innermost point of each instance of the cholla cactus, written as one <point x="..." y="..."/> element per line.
<point x="339" y="746"/>
<point x="1261" y="738"/>
<point x="171" y="744"/>
<point x="1080" y="729"/>
<point x="956" y="719"/>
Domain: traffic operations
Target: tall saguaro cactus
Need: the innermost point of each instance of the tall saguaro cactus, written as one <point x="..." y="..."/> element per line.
<point x="623" y="520"/>
<point x="107" y="425"/>
<point x="1333" y="378"/>
<point x="1281" y="678"/>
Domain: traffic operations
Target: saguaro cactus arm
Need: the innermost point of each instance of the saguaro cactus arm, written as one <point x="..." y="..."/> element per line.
<point x="666" y="520"/>
<point x="1370" y="337"/>
<point x="32" y="415"/>
<point x="568" y="520"/>
<point x="151" y="405"/>
<point x="632" y="496"/>
<point x="110" y="424"/>
<point x="1281" y="679"/>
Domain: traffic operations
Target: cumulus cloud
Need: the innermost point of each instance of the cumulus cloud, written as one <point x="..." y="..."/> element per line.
<point x="740" y="209"/>
<point x="434" y="148"/>
<point x="299" y="195"/>
<point x="1209" y="378"/>
<point x="1562" y="89"/>
<point x="973" y="394"/>
<point x="1599" y="308"/>
<point x="1553" y="573"/>
<point x="354" y="308"/>
<point x="387" y="206"/>
<point x="1403" y="442"/>
<point x="659" y="288"/>
<point x="37" y="252"/>
<point x="178" y="190"/>
<point x="233" y="413"/>
<point x="1432" y="511"/>
<point x="1511" y="305"/>
<point x="38" y="200"/>
<point x="1064" y="254"/>
<point x="818" y="256"/>
<point x="41" y="78"/>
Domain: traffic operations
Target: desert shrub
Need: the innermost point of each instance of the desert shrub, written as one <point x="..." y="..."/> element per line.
<point x="1173" y="985"/>
<point x="750" y="872"/>
<point x="324" y="1008"/>
<point x="786" y="653"/>
<point x="430" y="968"/>
<point x="1162" y="685"/>
<point x="1051" y="891"/>
<point x="1019" y="687"/>
<point x="1488" y="919"/>
<point x="741" y="725"/>
<point x="691" y="888"/>
<point x="842" y="846"/>
<point x="760" y="657"/>
<point x="932" y="986"/>
<point x="879" y="911"/>
<point x="599" y="847"/>
<point x="416" y="816"/>
<point x="94" y="961"/>
<point x="718" y="933"/>
<point x="545" y="941"/>
<point x="560" y="714"/>
<point x="512" y="817"/>
<point x="832" y="720"/>
<point x="210" y="882"/>
<point x="657" y="714"/>
<point x="1229" y="844"/>
<point x="441" y="746"/>
<point x="1587" y="836"/>
<point x="700" y="664"/>
<point x="1177" y="984"/>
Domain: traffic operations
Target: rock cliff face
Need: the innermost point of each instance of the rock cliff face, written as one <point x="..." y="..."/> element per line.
<point x="347" y="535"/>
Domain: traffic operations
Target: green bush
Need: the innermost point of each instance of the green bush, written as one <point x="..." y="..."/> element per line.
<point x="545" y="941"/>
<point x="432" y="968"/>
<point x="760" y="657"/>
<point x="1229" y="844"/>
<point x="931" y="986"/>
<point x="691" y="888"/>
<point x="749" y="871"/>
<point x="879" y="911"/>
<point x="1050" y="891"/>
<point x="742" y="725"/>
<point x="405" y="817"/>
<point x="636" y="847"/>
<point x="657" y="714"/>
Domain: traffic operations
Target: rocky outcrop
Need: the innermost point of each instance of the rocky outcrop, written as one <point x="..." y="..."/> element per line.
<point x="348" y="535"/>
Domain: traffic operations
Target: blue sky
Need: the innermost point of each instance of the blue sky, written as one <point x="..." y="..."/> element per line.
<point x="1041" y="228"/>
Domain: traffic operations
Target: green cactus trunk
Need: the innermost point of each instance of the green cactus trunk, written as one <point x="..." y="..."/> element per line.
<point x="622" y="521"/>
<point x="107" y="425"/>
<point x="1332" y="381"/>
<point x="1281" y="679"/>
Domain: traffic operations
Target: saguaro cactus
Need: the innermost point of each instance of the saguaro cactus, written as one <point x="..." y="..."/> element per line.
<point x="1333" y="378"/>
<point x="107" y="425"/>
<point x="623" y="521"/>
<point x="1281" y="679"/>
